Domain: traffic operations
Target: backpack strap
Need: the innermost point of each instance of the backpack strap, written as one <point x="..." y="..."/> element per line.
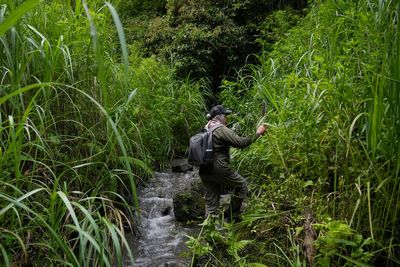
<point x="209" y="139"/>
<point x="215" y="127"/>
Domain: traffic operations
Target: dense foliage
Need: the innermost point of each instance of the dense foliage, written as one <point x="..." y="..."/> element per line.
<point x="81" y="122"/>
<point x="213" y="39"/>
<point x="332" y="149"/>
<point x="86" y="115"/>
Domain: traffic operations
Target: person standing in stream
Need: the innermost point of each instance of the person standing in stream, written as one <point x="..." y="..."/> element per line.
<point x="221" y="173"/>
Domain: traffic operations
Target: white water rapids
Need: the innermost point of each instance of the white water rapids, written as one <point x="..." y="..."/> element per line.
<point x="161" y="239"/>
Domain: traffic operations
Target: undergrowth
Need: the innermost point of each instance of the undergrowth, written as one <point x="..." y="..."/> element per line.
<point x="331" y="152"/>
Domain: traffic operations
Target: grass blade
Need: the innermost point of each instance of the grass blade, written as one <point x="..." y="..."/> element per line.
<point x="6" y="259"/>
<point x="13" y="203"/>
<point x="70" y="255"/>
<point x="122" y="41"/>
<point x="16" y="15"/>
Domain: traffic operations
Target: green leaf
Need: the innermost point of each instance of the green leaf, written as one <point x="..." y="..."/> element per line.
<point x="6" y="259"/>
<point x="122" y="40"/>
<point x="308" y="183"/>
<point x="356" y="262"/>
<point x="20" y="199"/>
<point x="256" y="264"/>
<point x="16" y="15"/>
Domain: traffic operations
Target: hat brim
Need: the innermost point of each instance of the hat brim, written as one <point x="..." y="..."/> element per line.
<point x="227" y="111"/>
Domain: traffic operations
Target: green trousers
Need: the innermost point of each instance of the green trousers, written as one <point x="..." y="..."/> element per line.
<point x="214" y="179"/>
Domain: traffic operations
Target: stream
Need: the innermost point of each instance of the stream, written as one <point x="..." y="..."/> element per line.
<point x="161" y="239"/>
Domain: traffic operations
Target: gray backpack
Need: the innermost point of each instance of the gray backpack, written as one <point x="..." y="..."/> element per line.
<point x="200" y="151"/>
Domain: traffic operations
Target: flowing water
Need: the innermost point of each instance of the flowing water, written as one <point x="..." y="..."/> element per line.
<point x="161" y="239"/>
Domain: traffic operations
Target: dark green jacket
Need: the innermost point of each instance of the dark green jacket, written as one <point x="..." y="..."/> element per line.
<point x="223" y="139"/>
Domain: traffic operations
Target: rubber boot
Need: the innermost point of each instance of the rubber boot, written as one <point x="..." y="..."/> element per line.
<point x="232" y="214"/>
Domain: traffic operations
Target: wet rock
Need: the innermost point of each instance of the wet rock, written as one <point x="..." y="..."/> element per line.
<point x="181" y="165"/>
<point x="166" y="211"/>
<point x="189" y="204"/>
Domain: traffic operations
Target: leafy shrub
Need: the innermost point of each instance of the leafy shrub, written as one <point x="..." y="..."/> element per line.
<point x="139" y="7"/>
<point x="339" y="245"/>
<point x="166" y="113"/>
<point x="208" y="39"/>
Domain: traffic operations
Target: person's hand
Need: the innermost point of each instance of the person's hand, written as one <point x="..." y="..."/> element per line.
<point x="261" y="130"/>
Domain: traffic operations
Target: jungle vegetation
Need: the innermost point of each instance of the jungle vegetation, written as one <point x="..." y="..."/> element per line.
<point x="95" y="96"/>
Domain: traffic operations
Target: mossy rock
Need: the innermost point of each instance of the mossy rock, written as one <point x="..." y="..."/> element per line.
<point x="189" y="204"/>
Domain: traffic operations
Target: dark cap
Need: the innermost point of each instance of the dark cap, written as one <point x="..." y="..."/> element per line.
<point x="217" y="110"/>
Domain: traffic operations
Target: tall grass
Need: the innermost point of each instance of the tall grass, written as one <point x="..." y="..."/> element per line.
<point x="41" y="176"/>
<point x="57" y="204"/>
<point x="79" y="127"/>
<point x="164" y="109"/>
<point x="333" y="107"/>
